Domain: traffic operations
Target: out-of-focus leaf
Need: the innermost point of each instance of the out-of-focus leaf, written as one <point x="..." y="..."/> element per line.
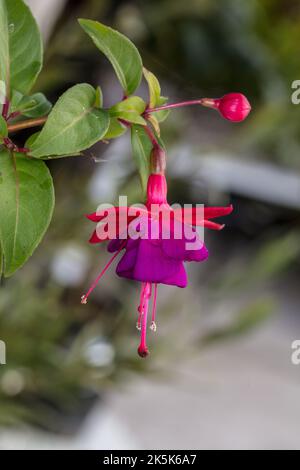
<point x="249" y="318"/>
<point x="34" y="106"/>
<point x="120" y="51"/>
<point x="4" y="44"/>
<point x="275" y="256"/>
<point x="271" y="259"/>
<point x="141" y="149"/>
<point x="20" y="45"/>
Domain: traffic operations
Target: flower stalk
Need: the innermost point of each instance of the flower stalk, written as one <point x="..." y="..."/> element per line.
<point x="27" y="124"/>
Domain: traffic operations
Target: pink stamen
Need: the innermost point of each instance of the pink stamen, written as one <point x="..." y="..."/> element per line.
<point x="140" y="307"/>
<point x="153" y="326"/>
<point x="146" y="293"/>
<point x="94" y="284"/>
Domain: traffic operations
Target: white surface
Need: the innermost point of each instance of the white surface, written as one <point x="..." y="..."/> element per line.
<point x="239" y="395"/>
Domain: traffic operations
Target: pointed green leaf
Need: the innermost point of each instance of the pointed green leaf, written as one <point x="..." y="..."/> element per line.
<point x="4" y="46"/>
<point x="99" y="98"/>
<point x="155" y="98"/>
<point x="120" y="51"/>
<point x="163" y="114"/>
<point x="21" y="49"/>
<point x="130" y="110"/>
<point x="34" y="106"/>
<point x="154" y="87"/>
<point x="115" y="129"/>
<point x="141" y="149"/>
<point x="3" y="128"/>
<point x="26" y="206"/>
<point x="74" y="124"/>
<point x="15" y="98"/>
<point x="29" y="142"/>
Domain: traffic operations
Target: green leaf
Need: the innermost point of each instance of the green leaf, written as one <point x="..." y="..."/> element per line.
<point x="29" y="142"/>
<point x="99" y="98"/>
<point x="34" y="106"/>
<point x="130" y="110"/>
<point x="4" y="44"/>
<point x="154" y="123"/>
<point x="15" y="99"/>
<point x="120" y="51"/>
<point x="74" y="124"/>
<point x="163" y="114"/>
<point x="115" y="129"/>
<point x="141" y="149"/>
<point x="154" y="87"/>
<point x="155" y="98"/>
<point x="26" y="206"/>
<point x="3" y="128"/>
<point x="21" y="50"/>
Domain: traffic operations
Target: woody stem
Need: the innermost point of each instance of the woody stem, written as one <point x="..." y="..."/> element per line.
<point x="27" y="124"/>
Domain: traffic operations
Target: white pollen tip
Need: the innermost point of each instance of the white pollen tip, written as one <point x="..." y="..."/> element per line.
<point x="83" y="299"/>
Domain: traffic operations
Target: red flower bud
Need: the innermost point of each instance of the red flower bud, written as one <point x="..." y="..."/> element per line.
<point x="233" y="106"/>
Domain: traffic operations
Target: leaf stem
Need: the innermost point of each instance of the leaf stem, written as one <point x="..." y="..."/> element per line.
<point x="26" y="124"/>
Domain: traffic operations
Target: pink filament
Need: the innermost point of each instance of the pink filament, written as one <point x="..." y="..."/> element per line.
<point x="154" y="306"/>
<point x="140" y="307"/>
<point x="94" y="284"/>
<point x="144" y="305"/>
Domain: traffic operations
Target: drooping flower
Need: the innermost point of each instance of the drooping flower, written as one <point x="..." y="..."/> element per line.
<point x="153" y="258"/>
<point x="233" y="106"/>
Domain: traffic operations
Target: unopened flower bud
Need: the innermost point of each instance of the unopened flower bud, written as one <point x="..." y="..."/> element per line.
<point x="233" y="106"/>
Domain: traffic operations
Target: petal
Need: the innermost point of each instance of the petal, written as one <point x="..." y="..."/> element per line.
<point x="212" y="212"/>
<point x="95" y="239"/>
<point x="212" y="225"/>
<point x="187" y="248"/>
<point x="196" y="215"/>
<point x="119" y="212"/>
<point x="146" y="262"/>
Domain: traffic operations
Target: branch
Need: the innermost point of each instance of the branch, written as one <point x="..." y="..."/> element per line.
<point x="26" y="124"/>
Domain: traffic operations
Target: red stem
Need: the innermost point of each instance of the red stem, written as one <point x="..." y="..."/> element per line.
<point x="152" y="137"/>
<point x="173" y="105"/>
<point x="5" y="109"/>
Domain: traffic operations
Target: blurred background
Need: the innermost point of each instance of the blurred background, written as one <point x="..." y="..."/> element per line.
<point x="220" y="374"/>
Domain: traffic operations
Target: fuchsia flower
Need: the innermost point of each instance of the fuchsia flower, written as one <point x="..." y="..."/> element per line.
<point x="233" y="106"/>
<point x="155" y="259"/>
